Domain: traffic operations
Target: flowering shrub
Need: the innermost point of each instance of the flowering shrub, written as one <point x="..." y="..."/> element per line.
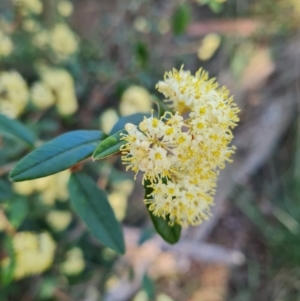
<point x="180" y="152"/>
<point x="47" y="87"/>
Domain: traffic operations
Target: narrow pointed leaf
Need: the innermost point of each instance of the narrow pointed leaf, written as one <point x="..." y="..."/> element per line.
<point x="109" y="146"/>
<point x="92" y="206"/>
<point x="5" y="190"/>
<point x="15" y="129"/>
<point x="170" y="234"/>
<point x="56" y="155"/>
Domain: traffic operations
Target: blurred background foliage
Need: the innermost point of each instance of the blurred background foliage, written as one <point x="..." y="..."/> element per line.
<point x="82" y="65"/>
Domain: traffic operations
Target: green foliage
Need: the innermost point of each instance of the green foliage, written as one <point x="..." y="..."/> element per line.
<point x="214" y="5"/>
<point x="142" y="54"/>
<point x="92" y="206"/>
<point x="5" y="190"/>
<point x="161" y="106"/>
<point x="109" y="146"/>
<point x="6" y="272"/>
<point x="181" y="19"/>
<point x="15" y="129"/>
<point x="18" y="210"/>
<point x="149" y="286"/>
<point x="57" y="155"/>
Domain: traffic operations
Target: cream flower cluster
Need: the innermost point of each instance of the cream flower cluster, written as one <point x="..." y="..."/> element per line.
<point x="13" y="94"/>
<point x="74" y="263"/>
<point x="181" y="153"/>
<point x="34" y="253"/>
<point x="63" y="41"/>
<point x="29" y="6"/>
<point x="51" y="188"/>
<point x="56" y="87"/>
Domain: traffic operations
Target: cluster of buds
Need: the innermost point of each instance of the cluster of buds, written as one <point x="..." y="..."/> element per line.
<point x="180" y="154"/>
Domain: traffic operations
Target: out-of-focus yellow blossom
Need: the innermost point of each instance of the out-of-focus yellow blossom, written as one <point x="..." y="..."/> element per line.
<point x="74" y="263"/>
<point x="24" y="188"/>
<point x="296" y="7"/>
<point x="141" y="296"/>
<point x="108" y="254"/>
<point x="111" y="282"/>
<point x="163" y="297"/>
<point x="29" y="6"/>
<point x="163" y="26"/>
<point x="6" y="45"/>
<point x="41" y="39"/>
<point x="62" y="85"/>
<point x="31" y="25"/>
<point x="135" y="99"/>
<point x="63" y="41"/>
<point x="124" y="187"/>
<point x="42" y="96"/>
<point x="118" y="202"/>
<point x="118" y="199"/>
<point x="34" y="253"/>
<point x="13" y="94"/>
<point x="66" y="103"/>
<point x="108" y="119"/>
<point x="142" y="24"/>
<point x="209" y="46"/>
<point x="52" y="188"/>
<point x="59" y="220"/>
<point x="65" y="8"/>
<point x="181" y="154"/>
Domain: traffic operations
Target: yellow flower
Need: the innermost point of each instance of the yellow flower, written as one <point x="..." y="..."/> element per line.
<point x="13" y="94"/>
<point x="63" y="41"/>
<point x="6" y="45"/>
<point x="74" y="263"/>
<point x="30" y="25"/>
<point x="41" y="39"/>
<point x="65" y="8"/>
<point x="59" y="220"/>
<point x="180" y="154"/>
<point x="134" y="100"/>
<point x="42" y="96"/>
<point x="118" y="202"/>
<point x="29" y="6"/>
<point x="108" y="119"/>
<point x="51" y="188"/>
<point x="34" y="253"/>
<point x="61" y="84"/>
<point x="209" y="46"/>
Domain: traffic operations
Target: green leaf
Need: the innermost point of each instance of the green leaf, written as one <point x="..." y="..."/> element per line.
<point x="149" y="286"/>
<point x="56" y="155"/>
<point x="170" y="234"/>
<point x="7" y="271"/>
<point x="15" y="129"/>
<point x="18" y="210"/>
<point x="109" y="146"/>
<point x="134" y="119"/>
<point x="141" y="54"/>
<point x="92" y="206"/>
<point x="181" y="19"/>
<point x="162" y="107"/>
<point x="5" y="190"/>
